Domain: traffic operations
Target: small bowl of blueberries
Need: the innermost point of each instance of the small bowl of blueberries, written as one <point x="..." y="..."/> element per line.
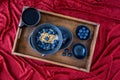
<point x="48" y="38"/>
<point x="83" y="32"/>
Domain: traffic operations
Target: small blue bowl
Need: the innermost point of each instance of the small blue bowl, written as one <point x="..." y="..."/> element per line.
<point x="34" y="34"/>
<point x="83" y="32"/>
<point x="79" y="51"/>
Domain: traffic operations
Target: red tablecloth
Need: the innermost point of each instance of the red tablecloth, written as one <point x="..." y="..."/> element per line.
<point x="106" y="60"/>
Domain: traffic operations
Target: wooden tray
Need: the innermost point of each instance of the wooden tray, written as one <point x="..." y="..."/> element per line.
<point x="22" y="47"/>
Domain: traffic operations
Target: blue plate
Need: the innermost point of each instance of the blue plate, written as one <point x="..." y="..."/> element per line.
<point x="67" y="37"/>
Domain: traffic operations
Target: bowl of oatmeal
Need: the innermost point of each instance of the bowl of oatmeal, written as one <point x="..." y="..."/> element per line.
<point x="46" y="39"/>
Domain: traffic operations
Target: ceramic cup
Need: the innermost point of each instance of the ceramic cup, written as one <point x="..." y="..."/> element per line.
<point x="30" y="17"/>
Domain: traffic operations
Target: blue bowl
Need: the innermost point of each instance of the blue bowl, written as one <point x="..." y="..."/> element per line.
<point x="79" y="51"/>
<point x="30" y="17"/>
<point x="83" y="32"/>
<point x="67" y="37"/>
<point x="34" y="43"/>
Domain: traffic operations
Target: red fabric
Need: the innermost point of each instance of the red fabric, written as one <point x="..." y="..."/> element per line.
<point x="106" y="59"/>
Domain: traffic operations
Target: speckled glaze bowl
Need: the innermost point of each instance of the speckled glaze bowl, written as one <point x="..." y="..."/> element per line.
<point x="34" y="42"/>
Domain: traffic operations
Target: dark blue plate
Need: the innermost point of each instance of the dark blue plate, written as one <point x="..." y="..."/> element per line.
<point x="67" y="37"/>
<point x="34" y="34"/>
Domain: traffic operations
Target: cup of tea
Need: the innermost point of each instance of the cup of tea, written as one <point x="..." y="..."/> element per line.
<point x="30" y="17"/>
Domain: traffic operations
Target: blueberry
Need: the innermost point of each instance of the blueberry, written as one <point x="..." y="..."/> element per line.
<point x="86" y="34"/>
<point x="46" y="38"/>
<point x="83" y="28"/>
<point x="80" y="37"/>
<point x="63" y="54"/>
<point x="64" y="35"/>
<point x="46" y="30"/>
<point x="84" y="37"/>
<point x="82" y="34"/>
<point x="64" y="38"/>
<point x="41" y="46"/>
<point x="48" y="47"/>
<point x="44" y="47"/>
<point x="43" y="30"/>
<point x="87" y="31"/>
<point x="84" y="31"/>
<point x="53" y="46"/>
<point x="49" y="32"/>
<point x="78" y="34"/>
<point x="55" y="41"/>
<point x="39" y="33"/>
<point x="66" y="50"/>
<point x="48" y="44"/>
<point x="80" y="30"/>
<point x="54" y="32"/>
<point x="42" y="43"/>
<point x="69" y="54"/>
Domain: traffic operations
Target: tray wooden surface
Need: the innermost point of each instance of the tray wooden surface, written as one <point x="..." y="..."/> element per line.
<point x="22" y="47"/>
